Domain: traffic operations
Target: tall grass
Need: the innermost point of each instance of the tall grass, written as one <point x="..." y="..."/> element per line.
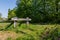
<point x="37" y="32"/>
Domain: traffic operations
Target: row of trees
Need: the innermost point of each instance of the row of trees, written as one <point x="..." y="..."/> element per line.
<point x="40" y="11"/>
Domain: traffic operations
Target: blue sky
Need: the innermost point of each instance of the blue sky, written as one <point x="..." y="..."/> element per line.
<point x="5" y="5"/>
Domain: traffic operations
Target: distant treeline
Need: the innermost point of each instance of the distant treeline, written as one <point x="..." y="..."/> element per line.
<point x="40" y="11"/>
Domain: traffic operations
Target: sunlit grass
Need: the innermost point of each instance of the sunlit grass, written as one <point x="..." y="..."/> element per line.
<point x="33" y="30"/>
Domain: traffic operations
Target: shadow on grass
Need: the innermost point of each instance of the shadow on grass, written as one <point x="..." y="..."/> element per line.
<point x="6" y="27"/>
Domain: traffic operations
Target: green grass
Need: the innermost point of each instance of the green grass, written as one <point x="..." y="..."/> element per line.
<point x="3" y="25"/>
<point x="35" y="31"/>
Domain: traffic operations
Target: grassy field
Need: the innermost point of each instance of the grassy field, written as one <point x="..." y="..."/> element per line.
<point x="33" y="32"/>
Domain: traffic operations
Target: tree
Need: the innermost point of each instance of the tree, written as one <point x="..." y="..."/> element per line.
<point x="11" y="13"/>
<point x="39" y="10"/>
<point x="28" y="8"/>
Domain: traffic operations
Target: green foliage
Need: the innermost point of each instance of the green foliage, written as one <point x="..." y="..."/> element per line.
<point x="11" y="13"/>
<point x="39" y="10"/>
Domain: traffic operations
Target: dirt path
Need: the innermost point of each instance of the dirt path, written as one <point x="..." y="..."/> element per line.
<point x="6" y="34"/>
